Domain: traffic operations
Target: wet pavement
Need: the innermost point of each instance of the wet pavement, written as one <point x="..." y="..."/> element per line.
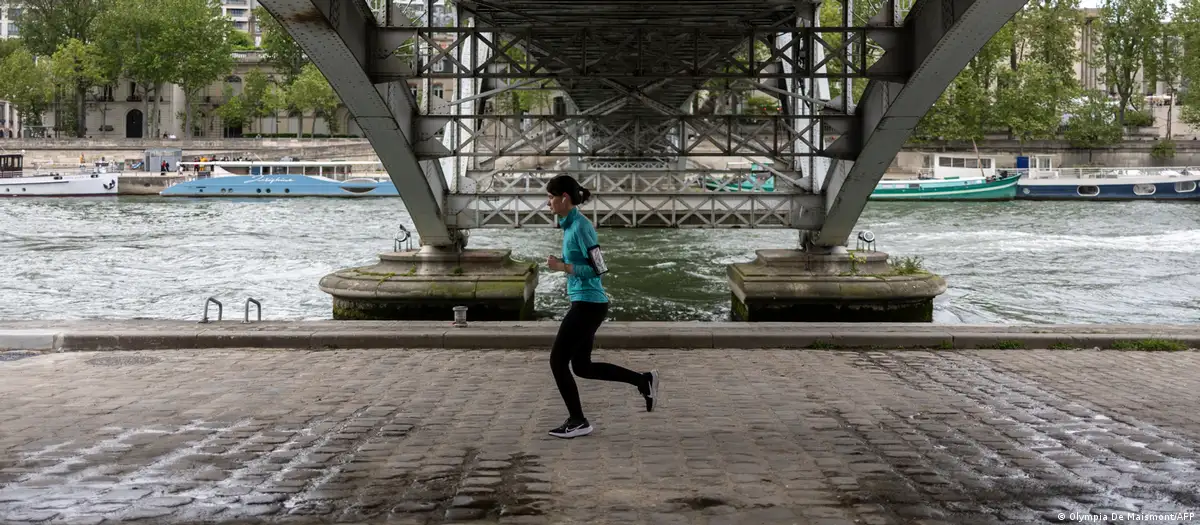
<point x="411" y="436"/>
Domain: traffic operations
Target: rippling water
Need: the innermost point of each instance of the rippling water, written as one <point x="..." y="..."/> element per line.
<point x="1013" y="262"/>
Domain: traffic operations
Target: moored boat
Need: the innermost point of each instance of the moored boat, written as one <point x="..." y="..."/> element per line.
<point x="14" y="182"/>
<point x="1110" y="184"/>
<point x="283" y="179"/>
<point x="281" y="186"/>
<point x="949" y="177"/>
<point x="999" y="187"/>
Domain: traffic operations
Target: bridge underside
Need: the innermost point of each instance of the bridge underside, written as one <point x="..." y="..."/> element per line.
<point x="652" y="115"/>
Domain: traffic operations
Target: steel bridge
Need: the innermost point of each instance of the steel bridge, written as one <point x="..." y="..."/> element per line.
<point x="639" y="100"/>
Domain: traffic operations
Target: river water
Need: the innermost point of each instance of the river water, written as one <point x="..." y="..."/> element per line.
<point x="1011" y="262"/>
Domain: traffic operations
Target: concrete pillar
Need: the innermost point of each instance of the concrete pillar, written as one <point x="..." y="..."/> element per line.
<point x="426" y="284"/>
<point x="839" y="286"/>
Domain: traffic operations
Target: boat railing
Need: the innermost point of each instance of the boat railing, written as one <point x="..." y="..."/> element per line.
<point x="1108" y="173"/>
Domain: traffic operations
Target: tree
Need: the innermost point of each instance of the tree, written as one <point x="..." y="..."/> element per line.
<point x="1187" y="26"/>
<point x="7" y="46"/>
<point x="1127" y="34"/>
<point x="26" y="83"/>
<point x="1163" y="64"/>
<point x="47" y="25"/>
<point x="280" y="50"/>
<point x="135" y="39"/>
<point x="242" y="41"/>
<point x="259" y="98"/>
<point x="205" y="43"/>
<point x="79" y="66"/>
<point x="311" y="92"/>
<point x="1030" y="102"/>
<point x="233" y="111"/>
<point x="1095" y="122"/>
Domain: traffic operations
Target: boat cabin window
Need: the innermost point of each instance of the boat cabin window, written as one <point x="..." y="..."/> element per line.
<point x="963" y="162"/>
<point x="1185" y="186"/>
<point x="1143" y="189"/>
<point x="1088" y="191"/>
<point x="1042" y="162"/>
<point x="11" y="165"/>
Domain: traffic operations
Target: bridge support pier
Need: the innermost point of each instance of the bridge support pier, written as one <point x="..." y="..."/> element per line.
<point x="837" y="286"/>
<point x="426" y="285"/>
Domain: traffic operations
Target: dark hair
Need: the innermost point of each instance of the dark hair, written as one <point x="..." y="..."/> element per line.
<point x="566" y="184"/>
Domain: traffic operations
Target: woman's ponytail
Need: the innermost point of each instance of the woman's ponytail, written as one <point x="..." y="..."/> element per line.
<point x="567" y="184"/>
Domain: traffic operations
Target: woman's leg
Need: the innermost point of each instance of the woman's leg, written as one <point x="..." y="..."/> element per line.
<point x="592" y="315"/>
<point x="560" y="359"/>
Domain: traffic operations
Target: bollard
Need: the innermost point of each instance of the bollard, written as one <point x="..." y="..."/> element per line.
<point x="460" y="316"/>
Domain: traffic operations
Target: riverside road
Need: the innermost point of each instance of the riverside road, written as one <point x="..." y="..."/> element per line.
<point x="755" y="437"/>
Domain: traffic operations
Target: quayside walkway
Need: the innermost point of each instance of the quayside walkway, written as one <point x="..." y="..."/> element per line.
<point x="757" y="437"/>
<point x="165" y="334"/>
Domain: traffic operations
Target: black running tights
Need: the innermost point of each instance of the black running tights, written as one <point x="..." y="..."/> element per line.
<point x="573" y="346"/>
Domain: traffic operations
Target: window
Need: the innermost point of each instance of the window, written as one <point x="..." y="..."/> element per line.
<point x="944" y="162"/>
<point x="437" y="90"/>
<point x="13" y="29"/>
<point x="958" y="163"/>
<point x="1143" y="189"/>
<point x="1043" y="163"/>
<point x="1088" y="191"/>
<point x="987" y="163"/>
<point x="236" y="13"/>
<point x="972" y="163"/>
<point x="1185" y="186"/>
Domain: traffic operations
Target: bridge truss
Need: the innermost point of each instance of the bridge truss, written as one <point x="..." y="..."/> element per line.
<point x="643" y="101"/>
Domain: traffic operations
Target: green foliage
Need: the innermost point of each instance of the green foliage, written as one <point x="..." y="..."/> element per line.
<point x="1187" y="27"/>
<point x="46" y="25"/>
<point x="907" y="265"/>
<point x="77" y="63"/>
<point x="1150" y="345"/>
<point x="1139" y="119"/>
<point x="9" y="45"/>
<point x="29" y="85"/>
<point x="1163" y="150"/>
<point x="1128" y="30"/>
<point x="242" y="41"/>
<point x="311" y="92"/>
<point x="280" y="50"/>
<point x="1094" y="122"/>
<point x="204" y="38"/>
<point x="233" y="110"/>
<point x="761" y="105"/>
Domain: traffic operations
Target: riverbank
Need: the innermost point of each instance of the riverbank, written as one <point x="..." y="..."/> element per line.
<point x="101" y="335"/>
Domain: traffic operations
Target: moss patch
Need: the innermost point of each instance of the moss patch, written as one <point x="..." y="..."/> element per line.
<point x="1150" y="345"/>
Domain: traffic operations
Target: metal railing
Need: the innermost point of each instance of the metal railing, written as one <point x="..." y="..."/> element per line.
<point x="1108" y="173"/>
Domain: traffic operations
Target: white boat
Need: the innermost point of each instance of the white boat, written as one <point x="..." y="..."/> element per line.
<point x="14" y="182"/>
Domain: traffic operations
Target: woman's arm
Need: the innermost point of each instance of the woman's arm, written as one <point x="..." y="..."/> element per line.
<point x="590" y="244"/>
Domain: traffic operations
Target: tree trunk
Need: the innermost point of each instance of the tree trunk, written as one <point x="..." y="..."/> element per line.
<point x="300" y="124"/>
<point x="1170" y="109"/>
<point x="80" y="113"/>
<point x="157" y="110"/>
<point x="187" y="115"/>
<point x="146" y="111"/>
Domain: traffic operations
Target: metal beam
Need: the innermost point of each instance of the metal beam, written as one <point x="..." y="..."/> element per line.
<point x="677" y="53"/>
<point x="941" y="37"/>
<point x="340" y="37"/>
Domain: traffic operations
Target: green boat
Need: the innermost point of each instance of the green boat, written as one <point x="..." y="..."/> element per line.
<point x="1000" y="187"/>
<point x="758" y="175"/>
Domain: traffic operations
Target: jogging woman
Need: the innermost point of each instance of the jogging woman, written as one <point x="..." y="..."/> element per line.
<point x="584" y="264"/>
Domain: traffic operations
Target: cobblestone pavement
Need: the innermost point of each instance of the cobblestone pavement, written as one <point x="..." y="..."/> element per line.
<point x="755" y="437"/>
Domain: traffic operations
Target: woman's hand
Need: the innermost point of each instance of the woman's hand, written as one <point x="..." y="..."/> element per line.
<point x="556" y="264"/>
